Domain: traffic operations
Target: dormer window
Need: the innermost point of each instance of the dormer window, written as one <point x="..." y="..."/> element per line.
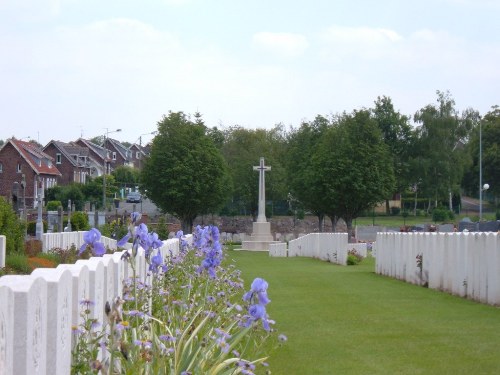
<point x="58" y="158"/>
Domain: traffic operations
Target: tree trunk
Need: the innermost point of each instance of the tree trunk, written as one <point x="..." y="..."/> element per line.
<point x="387" y="207"/>
<point x="187" y="225"/>
<point x="350" y="230"/>
<point x="334" y="219"/>
<point x="321" y="219"/>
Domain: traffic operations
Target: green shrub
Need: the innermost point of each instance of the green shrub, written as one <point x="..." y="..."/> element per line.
<point x="19" y="263"/>
<point x="353" y="257"/>
<point x="31" y="227"/>
<point x="53" y="205"/>
<point x="12" y="228"/>
<point x="79" y="221"/>
<point x="442" y="214"/>
<point x="162" y="228"/>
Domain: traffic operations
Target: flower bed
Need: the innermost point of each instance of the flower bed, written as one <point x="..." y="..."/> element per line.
<point x="190" y="315"/>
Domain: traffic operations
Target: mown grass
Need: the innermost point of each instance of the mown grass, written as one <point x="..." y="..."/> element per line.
<point x="348" y="320"/>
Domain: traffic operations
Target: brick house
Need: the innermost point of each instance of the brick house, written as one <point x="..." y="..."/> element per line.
<point x="72" y="160"/>
<point x="25" y="170"/>
<point x="118" y="153"/>
<point x="137" y="155"/>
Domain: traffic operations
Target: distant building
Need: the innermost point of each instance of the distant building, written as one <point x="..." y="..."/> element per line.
<point x="25" y="170"/>
<point x="72" y="160"/>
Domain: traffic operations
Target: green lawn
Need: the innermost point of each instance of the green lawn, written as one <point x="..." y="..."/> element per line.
<point x="348" y="320"/>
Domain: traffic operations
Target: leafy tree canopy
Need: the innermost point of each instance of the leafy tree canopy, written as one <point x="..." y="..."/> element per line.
<point x="185" y="174"/>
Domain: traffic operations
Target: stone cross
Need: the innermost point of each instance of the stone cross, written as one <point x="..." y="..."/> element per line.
<point x="261" y="218"/>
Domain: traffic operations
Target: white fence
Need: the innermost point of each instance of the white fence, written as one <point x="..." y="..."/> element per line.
<point x="463" y="264"/>
<point x="325" y="246"/>
<point x="37" y="311"/>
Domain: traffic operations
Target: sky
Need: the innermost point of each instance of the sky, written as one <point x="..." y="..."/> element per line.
<point x="72" y="68"/>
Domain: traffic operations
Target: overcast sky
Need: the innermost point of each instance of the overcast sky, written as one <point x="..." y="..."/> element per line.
<point x="78" y="67"/>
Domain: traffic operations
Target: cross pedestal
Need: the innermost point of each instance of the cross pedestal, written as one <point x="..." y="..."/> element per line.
<point x="261" y="231"/>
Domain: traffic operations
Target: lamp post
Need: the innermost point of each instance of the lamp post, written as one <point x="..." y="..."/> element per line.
<point x="105" y="166"/>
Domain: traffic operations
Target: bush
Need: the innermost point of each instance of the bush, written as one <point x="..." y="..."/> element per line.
<point x="79" y="221"/>
<point x="442" y="214"/>
<point x="32" y="247"/>
<point x="353" y="257"/>
<point x="12" y="228"/>
<point x="31" y="227"/>
<point x="53" y="205"/>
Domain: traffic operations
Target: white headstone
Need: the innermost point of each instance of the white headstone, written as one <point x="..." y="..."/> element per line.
<point x="59" y="296"/>
<point x="29" y="303"/>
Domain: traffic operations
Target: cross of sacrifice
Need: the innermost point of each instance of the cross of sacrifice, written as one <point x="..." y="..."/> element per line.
<point x="261" y="218"/>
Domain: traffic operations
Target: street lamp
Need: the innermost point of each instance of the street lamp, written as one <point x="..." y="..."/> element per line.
<point x="483" y="188"/>
<point x="105" y="166"/>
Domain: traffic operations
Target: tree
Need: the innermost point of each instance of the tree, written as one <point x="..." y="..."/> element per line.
<point x="242" y="150"/>
<point x="397" y="134"/>
<point x="126" y="176"/>
<point x="356" y="166"/>
<point x="490" y="134"/>
<point x="185" y="174"/>
<point x="305" y="184"/>
<point x="440" y="159"/>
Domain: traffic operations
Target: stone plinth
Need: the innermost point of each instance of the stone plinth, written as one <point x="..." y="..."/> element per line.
<point x="260" y="239"/>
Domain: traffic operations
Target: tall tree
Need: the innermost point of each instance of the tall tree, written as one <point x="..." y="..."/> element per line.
<point x="355" y="165"/>
<point x="185" y="174"/>
<point x="242" y="149"/>
<point x="397" y="135"/>
<point x="440" y="160"/>
<point x="490" y="134"/>
<point x="305" y="184"/>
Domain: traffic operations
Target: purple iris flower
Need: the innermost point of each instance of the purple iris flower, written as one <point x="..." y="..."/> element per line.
<point x="134" y="217"/>
<point x="91" y="238"/>
<point x="156" y="263"/>
<point x="258" y="312"/>
<point x="258" y="288"/>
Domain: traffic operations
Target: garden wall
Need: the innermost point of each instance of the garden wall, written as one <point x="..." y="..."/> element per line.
<point x="38" y="311"/>
<point x="463" y="264"/>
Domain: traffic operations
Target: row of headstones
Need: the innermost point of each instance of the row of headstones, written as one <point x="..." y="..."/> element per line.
<point x="463" y="264"/>
<point x="331" y="247"/>
<point x="240" y="237"/>
<point x="38" y="311"/>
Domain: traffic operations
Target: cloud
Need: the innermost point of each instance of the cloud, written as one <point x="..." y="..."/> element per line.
<point x="280" y="44"/>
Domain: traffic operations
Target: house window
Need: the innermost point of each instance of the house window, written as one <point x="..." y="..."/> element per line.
<point x="114" y="155"/>
<point x="18" y="169"/>
<point x="137" y="155"/>
<point x="58" y="158"/>
<point x="1" y="167"/>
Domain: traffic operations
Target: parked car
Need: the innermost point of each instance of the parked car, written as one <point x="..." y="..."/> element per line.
<point x="134" y="197"/>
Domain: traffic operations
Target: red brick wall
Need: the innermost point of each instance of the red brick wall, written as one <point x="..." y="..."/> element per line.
<point x="9" y="157"/>
<point x="66" y="168"/>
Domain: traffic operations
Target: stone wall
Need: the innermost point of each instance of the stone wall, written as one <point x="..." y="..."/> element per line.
<point x="279" y="224"/>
